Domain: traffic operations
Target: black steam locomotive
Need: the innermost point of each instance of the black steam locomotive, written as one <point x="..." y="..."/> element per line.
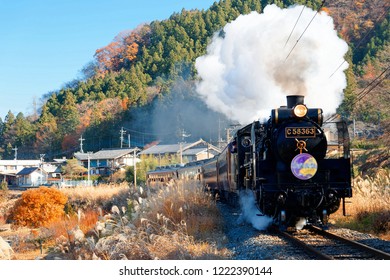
<point x="297" y="168"/>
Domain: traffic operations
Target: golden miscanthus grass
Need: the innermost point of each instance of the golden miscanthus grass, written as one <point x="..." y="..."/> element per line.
<point x="369" y="208"/>
<point x="103" y="196"/>
<point x="179" y="221"/>
<point x="100" y="192"/>
<point x="184" y="223"/>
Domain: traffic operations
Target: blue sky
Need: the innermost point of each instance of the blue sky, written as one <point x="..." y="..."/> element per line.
<point x="44" y="43"/>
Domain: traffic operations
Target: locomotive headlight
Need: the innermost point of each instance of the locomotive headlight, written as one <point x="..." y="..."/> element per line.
<point x="300" y="111"/>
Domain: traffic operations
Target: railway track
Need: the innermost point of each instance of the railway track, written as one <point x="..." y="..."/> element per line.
<point x="325" y="245"/>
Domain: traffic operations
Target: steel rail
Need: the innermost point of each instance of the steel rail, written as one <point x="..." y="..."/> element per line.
<point x="309" y="249"/>
<point x="377" y="253"/>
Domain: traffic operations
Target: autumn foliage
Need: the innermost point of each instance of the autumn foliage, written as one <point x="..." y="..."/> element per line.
<point x="38" y="207"/>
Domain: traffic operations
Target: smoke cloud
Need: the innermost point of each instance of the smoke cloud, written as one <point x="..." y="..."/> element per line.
<point x="250" y="213"/>
<point x="248" y="70"/>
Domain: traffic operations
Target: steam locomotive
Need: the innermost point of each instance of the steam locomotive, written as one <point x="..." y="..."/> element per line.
<point x="296" y="167"/>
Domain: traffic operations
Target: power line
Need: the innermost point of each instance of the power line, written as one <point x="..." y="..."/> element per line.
<point x="362" y="39"/>
<point x="149" y="133"/>
<point x="289" y="36"/>
<point x="322" y="4"/>
<point x="362" y="94"/>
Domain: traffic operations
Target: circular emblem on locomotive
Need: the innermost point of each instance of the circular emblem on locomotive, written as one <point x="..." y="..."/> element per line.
<point x="304" y="166"/>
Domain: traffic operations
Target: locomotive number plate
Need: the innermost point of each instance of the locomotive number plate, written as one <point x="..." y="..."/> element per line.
<point x="300" y="132"/>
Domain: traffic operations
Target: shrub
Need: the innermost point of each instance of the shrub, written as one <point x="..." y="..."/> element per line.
<point x="38" y="207"/>
<point x="3" y="191"/>
<point x="4" y="186"/>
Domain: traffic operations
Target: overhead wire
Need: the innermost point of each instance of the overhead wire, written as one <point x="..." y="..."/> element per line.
<point x="289" y="36"/>
<point x="362" y="93"/>
<point x="322" y="4"/>
<point x="362" y="39"/>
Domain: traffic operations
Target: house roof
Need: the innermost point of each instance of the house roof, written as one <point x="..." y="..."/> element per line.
<point x="59" y="160"/>
<point x="27" y="170"/>
<point x="197" y="151"/>
<point x="163" y="149"/>
<point x="112" y="154"/>
<point x="50" y="168"/>
<point x="20" y="162"/>
<point x="81" y="156"/>
<point x="105" y="154"/>
<point x="187" y="148"/>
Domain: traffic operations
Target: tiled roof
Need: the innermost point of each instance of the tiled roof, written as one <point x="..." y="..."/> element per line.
<point x="27" y="171"/>
<point x="105" y="154"/>
<point x="164" y="149"/>
<point x="111" y="154"/>
<point x="188" y="148"/>
<point x="196" y="151"/>
<point x="20" y="162"/>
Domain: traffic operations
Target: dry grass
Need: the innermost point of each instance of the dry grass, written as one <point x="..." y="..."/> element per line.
<point x="187" y="223"/>
<point x="101" y="196"/>
<point x="369" y="210"/>
<point x="179" y="221"/>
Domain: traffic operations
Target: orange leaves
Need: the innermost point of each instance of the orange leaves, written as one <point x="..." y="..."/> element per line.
<point x="132" y="51"/>
<point x="369" y="71"/>
<point x="125" y="103"/>
<point x="39" y="207"/>
<point x="122" y="50"/>
<point x="108" y="57"/>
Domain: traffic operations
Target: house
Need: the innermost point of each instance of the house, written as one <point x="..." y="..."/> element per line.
<point x="187" y="151"/>
<point x="106" y="161"/>
<point x="54" y="172"/>
<point x="10" y="168"/>
<point x="31" y="177"/>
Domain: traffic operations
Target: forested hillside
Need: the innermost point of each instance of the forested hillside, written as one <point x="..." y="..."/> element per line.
<point x="144" y="81"/>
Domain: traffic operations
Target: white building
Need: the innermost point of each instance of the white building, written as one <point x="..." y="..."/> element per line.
<point x="31" y="177"/>
<point x="10" y="168"/>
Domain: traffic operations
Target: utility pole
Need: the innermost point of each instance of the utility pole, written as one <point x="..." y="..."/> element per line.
<point x="128" y="138"/>
<point x="229" y="130"/>
<point x="181" y="153"/>
<point x="219" y="133"/>
<point x="89" y="168"/>
<point x="135" y="169"/>
<point x="41" y="157"/>
<point x="122" y="131"/>
<point x="183" y="135"/>
<point x="81" y="139"/>
<point x="16" y="152"/>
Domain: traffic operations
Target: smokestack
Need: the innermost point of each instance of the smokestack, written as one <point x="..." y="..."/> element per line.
<point x="293" y="100"/>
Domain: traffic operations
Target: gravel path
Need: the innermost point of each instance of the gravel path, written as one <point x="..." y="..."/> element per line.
<point x="247" y="243"/>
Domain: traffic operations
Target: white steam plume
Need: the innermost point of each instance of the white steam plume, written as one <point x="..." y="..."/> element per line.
<point x="245" y="73"/>
<point x="250" y="213"/>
